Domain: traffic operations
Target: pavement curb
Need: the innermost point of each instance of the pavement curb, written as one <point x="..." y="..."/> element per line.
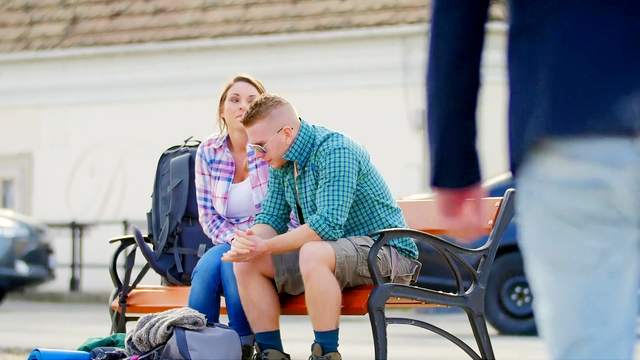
<point x="60" y="297"/>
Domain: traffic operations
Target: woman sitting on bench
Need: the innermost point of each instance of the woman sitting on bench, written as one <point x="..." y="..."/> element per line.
<point x="231" y="182"/>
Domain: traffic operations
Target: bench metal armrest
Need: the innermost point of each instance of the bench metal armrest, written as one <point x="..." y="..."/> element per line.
<point x="450" y="251"/>
<point x="433" y="240"/>
<point x="127" y="238"/>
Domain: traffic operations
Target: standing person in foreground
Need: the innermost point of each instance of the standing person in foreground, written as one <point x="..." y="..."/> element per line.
<point x="574" y="117"/>
<point x="340" y="198"/>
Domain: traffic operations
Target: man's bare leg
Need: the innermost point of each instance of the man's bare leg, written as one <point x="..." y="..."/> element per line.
<point x="322" y="291"/>
<point x="323" y="297"/>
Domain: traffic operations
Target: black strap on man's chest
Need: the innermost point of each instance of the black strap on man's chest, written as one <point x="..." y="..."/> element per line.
<point x="295" y="186"/>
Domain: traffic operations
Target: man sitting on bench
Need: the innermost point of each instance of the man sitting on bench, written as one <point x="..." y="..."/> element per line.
<point x="340" y="198"/>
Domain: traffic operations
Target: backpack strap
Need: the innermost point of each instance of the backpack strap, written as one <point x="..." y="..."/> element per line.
<point x="176" y="257"/>
<point x="179" y="190"/>
<point x="202" y="248"/>
<point x="181" y="341"/>
<point x="172" y="280"/>
<point x="177" y="251"/>
<point x="118" y="322"/>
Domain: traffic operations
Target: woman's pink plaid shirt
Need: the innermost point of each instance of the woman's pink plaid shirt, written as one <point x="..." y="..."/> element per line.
<point x="214" y="174"/>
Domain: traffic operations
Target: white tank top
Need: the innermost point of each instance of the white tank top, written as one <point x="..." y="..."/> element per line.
<point x="240" y="203"/>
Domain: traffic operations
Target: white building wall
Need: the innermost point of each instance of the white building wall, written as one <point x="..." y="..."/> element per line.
<point x="94" y="121"/>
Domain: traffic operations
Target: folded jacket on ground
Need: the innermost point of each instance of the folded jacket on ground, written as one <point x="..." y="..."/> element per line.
<point x="155" y="329"/>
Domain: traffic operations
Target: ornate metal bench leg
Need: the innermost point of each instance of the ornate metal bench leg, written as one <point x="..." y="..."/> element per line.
<point x="376" y="304"/>
<point x="481" y="333"/>
<point x="118" y="322"/>
<point x="379" y="330"/>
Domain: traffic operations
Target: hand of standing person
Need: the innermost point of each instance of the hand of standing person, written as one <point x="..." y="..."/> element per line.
<point x="460" y="212"/>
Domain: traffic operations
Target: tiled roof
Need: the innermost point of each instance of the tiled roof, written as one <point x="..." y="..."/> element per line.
<point x="50" y="24"/>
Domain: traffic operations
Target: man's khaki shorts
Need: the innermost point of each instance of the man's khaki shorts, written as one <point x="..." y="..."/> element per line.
<point x="351" y="265"/>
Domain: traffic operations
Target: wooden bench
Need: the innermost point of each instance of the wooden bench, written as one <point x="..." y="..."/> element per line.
<point x="424" y="226"/>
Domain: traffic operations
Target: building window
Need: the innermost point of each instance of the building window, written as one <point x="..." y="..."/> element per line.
<point x="8" y="189"/>
<point x="15" y="182"/>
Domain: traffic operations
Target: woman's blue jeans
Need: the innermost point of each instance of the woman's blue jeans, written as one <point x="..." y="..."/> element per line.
<point x="212" y="278"/>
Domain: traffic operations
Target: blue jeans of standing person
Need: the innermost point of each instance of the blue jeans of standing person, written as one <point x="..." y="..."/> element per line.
<point x="211" y="279"/>
<point x="578" y="206"/>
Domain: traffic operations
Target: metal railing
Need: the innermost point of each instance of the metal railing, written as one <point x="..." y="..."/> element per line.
<point x="78" y="229"/>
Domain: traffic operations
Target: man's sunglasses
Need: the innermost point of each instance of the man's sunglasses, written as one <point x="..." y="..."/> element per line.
<point x="262" y="149"/>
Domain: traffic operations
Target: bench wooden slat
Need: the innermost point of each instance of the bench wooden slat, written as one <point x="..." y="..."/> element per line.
<point x="147" y="299"/>
<point x="423" y="215"/>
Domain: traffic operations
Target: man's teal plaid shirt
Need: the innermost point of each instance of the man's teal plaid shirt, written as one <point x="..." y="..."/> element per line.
<point x="341" y="192"/>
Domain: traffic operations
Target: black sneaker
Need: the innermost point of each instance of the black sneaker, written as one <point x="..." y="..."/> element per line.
<point x="269" y="354"/>
<point x="318" y="354"/>
<point x="247" y="352"/>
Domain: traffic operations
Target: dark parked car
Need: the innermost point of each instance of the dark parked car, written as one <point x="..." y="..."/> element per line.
<point x="26" y="257"/>
<point x="508" y="297"/>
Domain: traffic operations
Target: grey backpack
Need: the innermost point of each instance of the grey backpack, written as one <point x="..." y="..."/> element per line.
<point x="215" y="342"/>
<point x="174" y="230"/>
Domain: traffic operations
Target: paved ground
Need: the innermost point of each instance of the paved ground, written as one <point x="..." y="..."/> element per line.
<point x="25" y="325"/>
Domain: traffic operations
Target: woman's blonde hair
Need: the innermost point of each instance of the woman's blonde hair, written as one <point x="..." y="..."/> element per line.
<point x="223" y="96"/>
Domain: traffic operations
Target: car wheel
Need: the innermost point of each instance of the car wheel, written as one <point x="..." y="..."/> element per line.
<point x="508" y="300"/>
<point x="3" y="293"/>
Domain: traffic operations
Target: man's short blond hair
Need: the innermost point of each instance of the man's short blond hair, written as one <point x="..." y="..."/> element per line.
<point x="262" y="107"/>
